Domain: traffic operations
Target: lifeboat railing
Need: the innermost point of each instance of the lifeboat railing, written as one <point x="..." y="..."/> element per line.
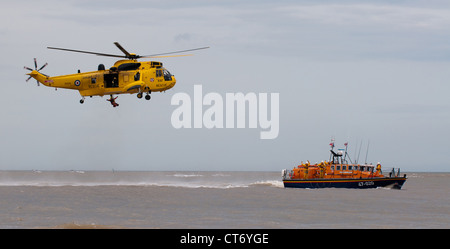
<point x="395" y="172"/>
<point x="287" y="174"/>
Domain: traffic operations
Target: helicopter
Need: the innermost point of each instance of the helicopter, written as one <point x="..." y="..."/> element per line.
<point x="126" y="76"/>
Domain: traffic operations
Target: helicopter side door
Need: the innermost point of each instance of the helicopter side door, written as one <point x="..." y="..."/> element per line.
<point x="111" y="79"/>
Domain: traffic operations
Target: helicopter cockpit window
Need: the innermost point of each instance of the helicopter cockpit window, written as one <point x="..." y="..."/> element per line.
<point x="158" y="73"/>
<point x="167" y="75"/>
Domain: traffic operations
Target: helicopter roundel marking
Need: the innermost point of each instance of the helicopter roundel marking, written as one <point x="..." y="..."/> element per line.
<point x="77" y="83"/>
<point x="152" y="79"/>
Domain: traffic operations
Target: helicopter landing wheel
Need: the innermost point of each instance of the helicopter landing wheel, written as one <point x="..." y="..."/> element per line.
<point x="81" y="101"/>
<point x="148" y="97"/>
<point x="139" y="95"/>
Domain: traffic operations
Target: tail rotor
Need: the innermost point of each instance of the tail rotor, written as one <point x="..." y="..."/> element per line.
<point x="35" y="69"/>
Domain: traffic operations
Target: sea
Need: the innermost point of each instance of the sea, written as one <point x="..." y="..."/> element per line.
<point x="213" y="200"/>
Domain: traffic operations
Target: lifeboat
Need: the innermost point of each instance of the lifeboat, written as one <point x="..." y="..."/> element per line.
<point x="338" y="173"/>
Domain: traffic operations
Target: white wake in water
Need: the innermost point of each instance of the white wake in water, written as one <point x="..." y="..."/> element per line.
<point x="219" y="180"/>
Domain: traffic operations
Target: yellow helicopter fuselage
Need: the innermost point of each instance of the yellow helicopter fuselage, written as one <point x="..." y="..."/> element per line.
<point x="126" y="76"/>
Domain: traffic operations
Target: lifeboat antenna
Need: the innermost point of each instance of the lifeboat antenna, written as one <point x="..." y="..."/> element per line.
<point x="332" y="147"/>
<point x="346" y="154"/>
<point x="367" y="152"/>
<point x="359" y="152"/>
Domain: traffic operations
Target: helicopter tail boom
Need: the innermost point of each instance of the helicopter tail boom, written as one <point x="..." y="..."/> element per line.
<point x="41" y="78"/>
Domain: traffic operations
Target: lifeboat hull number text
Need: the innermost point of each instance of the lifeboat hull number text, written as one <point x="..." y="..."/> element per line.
<point x="369" y="183"/>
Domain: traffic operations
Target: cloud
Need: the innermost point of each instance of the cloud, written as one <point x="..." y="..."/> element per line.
<point x="319" y="31"/>
<point x="387" y="16"/>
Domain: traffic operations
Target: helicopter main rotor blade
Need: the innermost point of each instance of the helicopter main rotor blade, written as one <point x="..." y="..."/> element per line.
<point x="175" y="52"/>
<point x="28" y="68"/>
<point x="128" y="55"/>
<point x="87" y="52"/>
<point x="167" y="56"/>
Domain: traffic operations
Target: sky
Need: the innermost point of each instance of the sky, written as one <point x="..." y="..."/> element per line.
<point x="364" y="72"/>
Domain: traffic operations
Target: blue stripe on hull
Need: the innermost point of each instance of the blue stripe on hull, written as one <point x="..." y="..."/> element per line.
<point x="342" y="183"/>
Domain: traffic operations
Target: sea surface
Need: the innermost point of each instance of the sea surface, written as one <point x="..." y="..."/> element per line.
<point x="121" y="199"/>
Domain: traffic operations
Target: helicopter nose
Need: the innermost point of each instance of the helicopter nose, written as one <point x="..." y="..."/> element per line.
<point x="174" y="81"/>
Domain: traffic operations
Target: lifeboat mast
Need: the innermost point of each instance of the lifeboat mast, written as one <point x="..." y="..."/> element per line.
<point x="336" y="157"/>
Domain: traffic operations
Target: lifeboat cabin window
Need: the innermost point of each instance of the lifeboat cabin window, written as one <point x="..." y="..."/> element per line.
<point x="338" y="167"/>
<point x="350" y="167"/>
<point x="344" y="167"/>
<point x="363" y="168"/>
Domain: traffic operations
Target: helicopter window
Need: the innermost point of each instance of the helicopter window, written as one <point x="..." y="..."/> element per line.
<point x="158" y="73"/>
<point x="129" y="66"/>
<point x="111" y="80"/>
<point x="167" y="75"/>
<point x="137" y="76"/>
<point x="93" y="80"/>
